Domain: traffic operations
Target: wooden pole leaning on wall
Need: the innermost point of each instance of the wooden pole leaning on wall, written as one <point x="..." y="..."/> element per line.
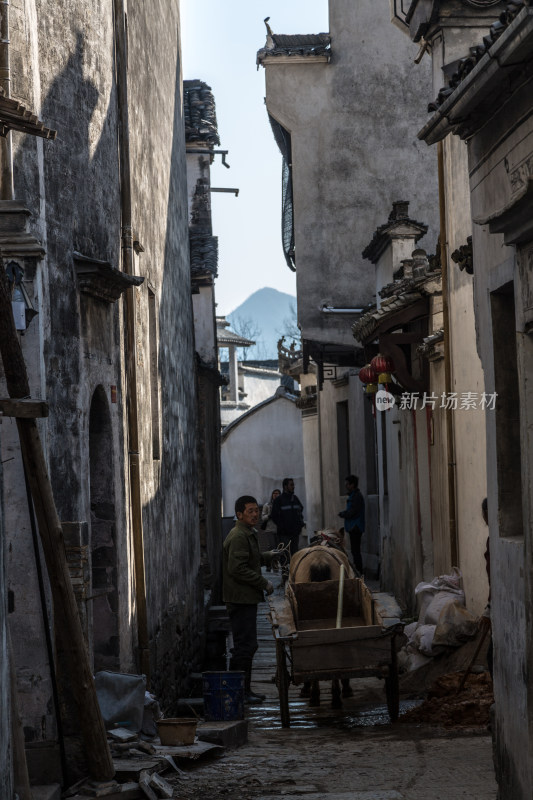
<point x="66" y="615"/>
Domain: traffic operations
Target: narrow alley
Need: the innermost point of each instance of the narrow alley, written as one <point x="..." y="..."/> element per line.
<point x="266" y="302"/>
<point x="350" y="754"/>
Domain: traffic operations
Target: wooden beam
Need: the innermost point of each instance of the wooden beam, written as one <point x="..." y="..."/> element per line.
<point x="23" y="409"/>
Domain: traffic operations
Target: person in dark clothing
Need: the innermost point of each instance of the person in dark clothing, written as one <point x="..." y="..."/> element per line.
<point x="287" y="513"/>
<point x="354" y="519"/>
<point x="243" y="586"/>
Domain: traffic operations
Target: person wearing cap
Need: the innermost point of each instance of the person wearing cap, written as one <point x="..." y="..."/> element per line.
<point x="243" y="587"/>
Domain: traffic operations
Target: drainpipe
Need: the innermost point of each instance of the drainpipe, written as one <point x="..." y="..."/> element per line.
<point x="450" y="448"/>
<point x="6" y="157"/>
<point x="130" y="339"/>
<point x="320" y="458"/>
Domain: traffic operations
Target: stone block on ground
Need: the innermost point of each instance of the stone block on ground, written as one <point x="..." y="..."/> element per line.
<point x="386" y="604"/>
<point x="226" y="734"/>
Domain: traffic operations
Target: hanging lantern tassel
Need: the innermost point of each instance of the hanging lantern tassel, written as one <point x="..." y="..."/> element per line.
<point x="385" y="378"/>
<point x="371" y="388"/>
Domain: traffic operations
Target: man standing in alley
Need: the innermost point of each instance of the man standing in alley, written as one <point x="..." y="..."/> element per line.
<point x="243" y="587"/>
<point x="287" y="513"/>
<point x="354" y="519"/>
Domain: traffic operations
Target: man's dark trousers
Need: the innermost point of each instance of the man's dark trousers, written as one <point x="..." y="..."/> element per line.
<point x="289" y="539"/>
<point x="355" y="543"/>
<point x="243" y="621"/>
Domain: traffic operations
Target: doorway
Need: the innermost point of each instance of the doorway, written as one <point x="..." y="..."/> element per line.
<point x="104" y="593"/>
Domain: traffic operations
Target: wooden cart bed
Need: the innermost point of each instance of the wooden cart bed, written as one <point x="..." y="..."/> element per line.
<point x="309" y="646"/>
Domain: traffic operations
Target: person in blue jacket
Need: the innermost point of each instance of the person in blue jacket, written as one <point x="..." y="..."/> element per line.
<point x="354" y="519"/>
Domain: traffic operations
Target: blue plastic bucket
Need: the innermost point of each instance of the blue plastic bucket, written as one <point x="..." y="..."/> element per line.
<point x="223" y="696"/>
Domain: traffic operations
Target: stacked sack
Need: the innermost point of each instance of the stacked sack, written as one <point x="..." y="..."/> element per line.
<point x="443" y="620"/>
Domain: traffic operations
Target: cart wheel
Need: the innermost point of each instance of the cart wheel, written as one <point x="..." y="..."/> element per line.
<point x="283" y="680"/>
<point x="392" y="686"/>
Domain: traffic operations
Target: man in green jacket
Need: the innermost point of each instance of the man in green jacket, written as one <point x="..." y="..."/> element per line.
<point x="243" y="587"/>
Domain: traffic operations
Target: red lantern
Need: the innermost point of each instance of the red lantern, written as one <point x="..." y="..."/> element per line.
<point x="368" y="375"/>
<point x="381" y="363"/>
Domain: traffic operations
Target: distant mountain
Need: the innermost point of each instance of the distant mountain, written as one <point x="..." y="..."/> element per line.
<point x="263" y="318"/>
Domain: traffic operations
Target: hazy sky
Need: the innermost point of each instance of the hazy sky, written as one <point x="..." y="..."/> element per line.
<point x="220" y="39"/>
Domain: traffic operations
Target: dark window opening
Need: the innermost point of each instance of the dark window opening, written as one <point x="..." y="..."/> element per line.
<point x="385" y="469"/>
<point x="343" y="443"/>
<point x="283" y="141"/>
<point x="154" y="387"/>
<point x="507" y="410"/>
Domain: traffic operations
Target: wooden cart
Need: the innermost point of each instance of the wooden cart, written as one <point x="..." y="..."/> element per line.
<point x="310" y="647"/>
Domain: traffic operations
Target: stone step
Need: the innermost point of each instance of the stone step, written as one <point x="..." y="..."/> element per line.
<point x="227" y="734"/>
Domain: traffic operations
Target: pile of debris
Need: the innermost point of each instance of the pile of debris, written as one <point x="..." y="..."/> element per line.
<point x="139" y="765"/>
<point x="452" y="706"/>
<point x="443" y="622"/>
<point x="144" y="744"/>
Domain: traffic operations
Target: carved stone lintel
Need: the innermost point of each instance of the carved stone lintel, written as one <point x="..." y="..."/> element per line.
<point x="101" y="280"/>
<point x="15" y="239"/>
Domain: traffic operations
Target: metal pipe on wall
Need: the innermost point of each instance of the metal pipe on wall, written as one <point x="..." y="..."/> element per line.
<point x="450" y="447"/>
<point x="130" y="339"/>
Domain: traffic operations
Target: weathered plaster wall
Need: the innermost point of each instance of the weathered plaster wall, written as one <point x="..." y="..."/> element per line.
<point x="257" y="387"/>
<point x="311" y="454"/>
<point x="209" y="481"/>
<point x="333" y="483"/>
<point x="63" y="68"/>
<point x="260" y="450"/>
<point x="467" y="376"/>
<point x="159" y="188"/>
<point x="5" y="737"/>
<point x="406" y="534"/>
<point x="204" y="324"/>
<point x="73" y="200"/>
<point x="506" y="142"/>
<point x="354" y="151"/>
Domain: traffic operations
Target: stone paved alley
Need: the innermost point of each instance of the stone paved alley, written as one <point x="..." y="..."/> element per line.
<point x="351" y="754"/>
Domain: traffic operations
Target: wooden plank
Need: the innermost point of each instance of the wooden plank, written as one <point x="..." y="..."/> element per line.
<point x="342" y="656"/>
<point x="333" y="636"/>
<point x="23" y="409"/>
<point x="326" y="624"/>
<point x="367" y="604"/>
<point x="319" y="600"/>
<point x="281" y="616"/>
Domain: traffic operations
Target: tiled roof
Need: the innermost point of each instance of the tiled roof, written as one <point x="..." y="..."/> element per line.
<point x="397" y="296"/>
<point x="199" y="113"/>
<point x="16" y="117"/>
<point x="227" y="337"/>
<point x="467" y="64"/>
<point x="428" y="348"/>
<point x="399" y="216"/>
<point x="310" y="44"/>
<point x="204" y="254"/>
